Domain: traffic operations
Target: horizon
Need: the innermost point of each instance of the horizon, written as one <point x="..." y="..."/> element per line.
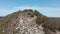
<point x="50" y="8"/>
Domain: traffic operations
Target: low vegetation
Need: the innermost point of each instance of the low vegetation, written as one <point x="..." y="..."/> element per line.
<point x="47" y="22"/>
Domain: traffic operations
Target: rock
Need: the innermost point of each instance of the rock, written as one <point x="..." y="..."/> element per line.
<point x="27" y="22"/>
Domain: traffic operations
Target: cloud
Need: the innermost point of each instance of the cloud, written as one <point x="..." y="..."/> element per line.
<point x="48" y="11"/>
<point x="31" y="7"/>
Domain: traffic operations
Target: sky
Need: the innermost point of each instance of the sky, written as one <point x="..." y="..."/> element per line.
<point x="50" y="8"/>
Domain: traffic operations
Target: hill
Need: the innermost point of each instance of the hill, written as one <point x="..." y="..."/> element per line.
<point x="28" y="22"/>
<point x="1" y="17"/>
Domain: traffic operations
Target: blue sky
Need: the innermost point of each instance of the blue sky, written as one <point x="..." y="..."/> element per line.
<point x="50" y="8"/>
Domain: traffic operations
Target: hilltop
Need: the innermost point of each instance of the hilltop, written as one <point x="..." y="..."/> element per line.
<point x="28" y="22"/>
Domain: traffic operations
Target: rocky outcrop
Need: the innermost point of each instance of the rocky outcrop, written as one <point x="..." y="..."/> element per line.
<point x="27" y="22"/>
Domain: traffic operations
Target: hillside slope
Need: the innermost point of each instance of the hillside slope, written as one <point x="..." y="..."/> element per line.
<point x="28" y="22"/>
